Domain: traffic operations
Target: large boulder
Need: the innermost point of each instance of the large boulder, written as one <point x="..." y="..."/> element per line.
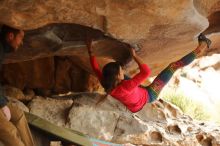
<point x="159" y="123"/>
<point x="53" y="110"/>
<point x="154" y="27"/>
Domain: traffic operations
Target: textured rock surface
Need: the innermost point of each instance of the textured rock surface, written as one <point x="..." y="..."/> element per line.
<point x="18" y="103"/>
<point x="14" y="93"/>
<point x="163" y="31"/>
<point x="30" y="74"/>
<point x="111" y="16"/>
<point x="49" y="75"/>
<point x="160" y="123"/>
<point x="52" y="110"/>
<point x="158" y="28"/>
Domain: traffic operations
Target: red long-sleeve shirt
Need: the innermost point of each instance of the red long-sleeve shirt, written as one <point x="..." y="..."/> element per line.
<point x="128" y="91"/>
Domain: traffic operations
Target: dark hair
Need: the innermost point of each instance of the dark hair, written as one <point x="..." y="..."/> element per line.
<point x="7" y="29"/>
<point x="109" y="78"/>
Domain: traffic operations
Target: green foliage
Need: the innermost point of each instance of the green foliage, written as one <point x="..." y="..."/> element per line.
<point x="188" y="106"/>
<point x="217" y="107"/>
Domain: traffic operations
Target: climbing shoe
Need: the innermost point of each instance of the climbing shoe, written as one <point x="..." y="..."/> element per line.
<point x="203" y="38"/>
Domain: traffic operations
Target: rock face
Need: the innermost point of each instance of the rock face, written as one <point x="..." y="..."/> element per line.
<point x="18" y="103"/>
<point x="159" y="123"/>
<point x="59" y="29"/>
<point x="126" y="20"/>
<point x="49" y="76"/>
<point x="51" y="110"/>
<point x="54" y="59"/>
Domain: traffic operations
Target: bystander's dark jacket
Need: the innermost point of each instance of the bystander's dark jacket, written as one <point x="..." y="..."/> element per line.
<point x="4" y="48"/>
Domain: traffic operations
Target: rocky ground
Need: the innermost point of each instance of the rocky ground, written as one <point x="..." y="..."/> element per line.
<point x="159" y="123"/>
